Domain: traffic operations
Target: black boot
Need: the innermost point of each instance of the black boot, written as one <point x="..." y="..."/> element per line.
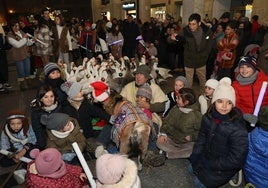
<point x="23" y="85"/>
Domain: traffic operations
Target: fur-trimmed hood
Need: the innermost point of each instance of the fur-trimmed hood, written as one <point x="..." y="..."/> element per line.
<point x="129" y="179"/>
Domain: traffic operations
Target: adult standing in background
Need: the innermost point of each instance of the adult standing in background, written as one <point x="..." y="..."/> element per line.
<point x="3" y="62"/>
<point x="19" y="54"/>
<point x="62" y="41"/>
<point x="42" y="33"/>
<point x="227" y="51"/>
<point x="46" y="16"/>
<point x="130" y="32"/>
<point x="115" y="40"/>
<point x="87" y="41"/>
<point x="197" y="40"/>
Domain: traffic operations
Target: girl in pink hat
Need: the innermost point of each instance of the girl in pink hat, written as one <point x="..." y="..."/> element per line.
<point x="49" y="170"/>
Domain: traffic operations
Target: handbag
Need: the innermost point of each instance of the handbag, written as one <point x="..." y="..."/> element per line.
<point x="97" y="48"/>
<point x="104" y="46"/>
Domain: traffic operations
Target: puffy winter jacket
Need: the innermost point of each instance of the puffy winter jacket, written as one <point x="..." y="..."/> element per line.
<point x="247" y="95"/>
<point x="220" y="150"/>
<point x="256" y="169"/>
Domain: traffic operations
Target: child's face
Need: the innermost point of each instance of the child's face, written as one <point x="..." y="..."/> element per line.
<point x="48" y="99"/>
<point x="80" y="94"/>
<point x="209" y="91"/>
<point x="178" y="85"/>
<point x="16" y="124"/>
<point x="246" y="71"/>
<point x="67" y="127"/>
<point x="229" y="30"/>
<point x="54" y="74"/>
<point x="180" y="102"/>
<point x="223" y="106"/>
<point x="141" y="99"/>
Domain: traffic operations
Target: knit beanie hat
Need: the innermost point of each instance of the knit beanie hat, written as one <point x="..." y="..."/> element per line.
<point x="224" y="91"/>
<point x="145" y="70"/>
<point x="249" y="61"/>
<point x="48" y="68"/>
<point x="100" y="91"/>
<point x="71" y="88"/>
<point x="110" y="168"/>
<point x="49" y="163"/>
<point x="183" y="80"/>
<point x="263" y="118"/>
<point x="212" y="83"/>
<point x="55" y="121"/>
<point x="145" y="91"/>
<point x="14" y="114"/>
<point x="87" y="23"/>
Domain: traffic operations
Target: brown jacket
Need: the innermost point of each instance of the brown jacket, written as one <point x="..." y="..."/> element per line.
<point x="64" y="145"/>
<point x="18" y="54"/>
<point x="60" y="44"/>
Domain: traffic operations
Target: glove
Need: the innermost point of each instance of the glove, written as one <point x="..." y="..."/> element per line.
<point x="250" y="118"/>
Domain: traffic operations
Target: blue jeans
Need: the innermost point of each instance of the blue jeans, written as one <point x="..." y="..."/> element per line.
<point x="23" y="68"/>
<point x="105" y="135"/>
<point x="197" y="182"/>
<point x="153" y="138"/>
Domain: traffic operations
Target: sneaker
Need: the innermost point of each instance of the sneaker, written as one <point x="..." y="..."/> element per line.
<point x="100" y="151"/>
<point x="2" y="88"/>
<point x="92" y="144"/>
<point x="19" y="176"/>
<point x="7" y="86"/>
<point x="155" y="159"/>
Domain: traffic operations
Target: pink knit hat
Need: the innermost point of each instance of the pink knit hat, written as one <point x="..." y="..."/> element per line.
<point x="110" y="168"/>
<point x="49" y="163"/>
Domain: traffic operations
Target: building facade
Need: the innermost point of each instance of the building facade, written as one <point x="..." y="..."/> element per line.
<point x="141" y="9"/>
<point x="144" y="9"/>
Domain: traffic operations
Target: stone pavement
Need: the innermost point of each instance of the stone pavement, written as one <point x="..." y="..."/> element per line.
<point x="173" y="174"/>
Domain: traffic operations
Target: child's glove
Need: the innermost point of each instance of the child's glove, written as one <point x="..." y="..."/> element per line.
<point x="250" y="118"/>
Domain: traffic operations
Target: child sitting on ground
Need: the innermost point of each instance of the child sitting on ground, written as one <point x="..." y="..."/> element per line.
<point x="49" y="170"/>
<point x="53" y="77"/>
<point x="205" y="99"/>
<point x="62" y="131"/>
<point x="179" y="83"/>
<point x="79" y="108"/>
<point x="17" y="137"/>
<point x="116" y="171"/>
<point x="181" y="126"/>
<point x="144" y="95"/>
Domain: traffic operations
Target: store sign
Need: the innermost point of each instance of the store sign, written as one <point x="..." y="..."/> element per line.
<point x="127" y="6"/>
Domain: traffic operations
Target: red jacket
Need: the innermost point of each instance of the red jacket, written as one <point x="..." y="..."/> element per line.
<point x="247" y="95"/>
<point x="87" y="39"/>
<point x="70" y="180"/>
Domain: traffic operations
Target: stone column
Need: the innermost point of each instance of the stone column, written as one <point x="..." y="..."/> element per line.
<point x="96" y="10"/>
<point x="116" y="9"/>
<point x="170" y="7"/>
<point x="192" y="6"/>
<point x="260" y="9"/>
<point x="219" y="7"/>
<point x="144" y="10"/>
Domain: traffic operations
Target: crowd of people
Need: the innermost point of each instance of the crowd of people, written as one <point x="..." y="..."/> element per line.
<point x="221" y="131"/>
